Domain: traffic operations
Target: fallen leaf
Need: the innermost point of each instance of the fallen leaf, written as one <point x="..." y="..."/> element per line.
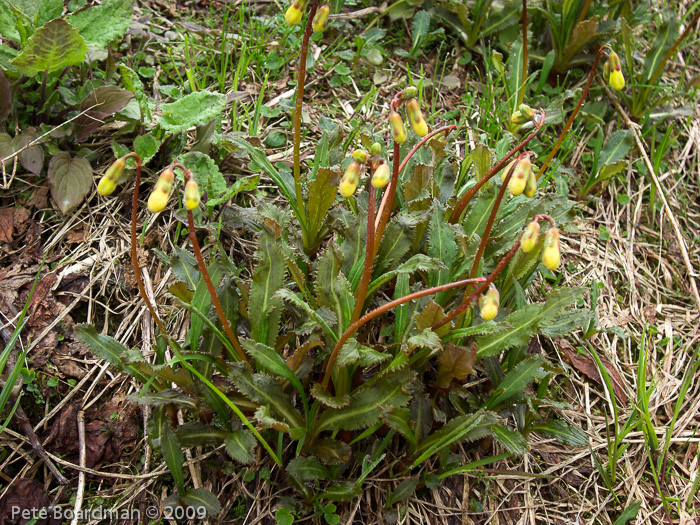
<point x="25" y="495"/>
<point x="7" y="221"/>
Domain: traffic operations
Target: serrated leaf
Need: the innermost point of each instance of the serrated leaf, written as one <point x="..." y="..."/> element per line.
<point x="205" y="172"/>
<point x="516" y="380"/>
<point x="55" y="45"/>
<point x="362" y="412"/>
<point x="526" y="321"/>
<point x="329" y="400"/>
<point x="421" y="179"/>
<point x="270" y="360"/>
<point x="133" y="83"/>
<point x="486" y="327"/>
<point x="399" y="419"/>
<point x="442" y="246"/>
<point x="396" y="240"/>
<point x="403" y="491"/>
<point x="307" y="469"/>
<point x="196" y="434"/>
<point x="241" y="184"/>
<point x="330" y="451"/>
<point x="172" y="454"/>
<point x="267" y="420"/>
<point x="240" y="445"/>
<point x="461" y="428"/>
<point x="202" y="499"/>
<point x="193" y="109"/>
<point x="617" y="147"/>
<point x="333" y="288"/>
<point x="512" y="440"/>
<point x="421" y="412"/>
<point x="165" y="397"/>
<point x="425" y="339"/>
<point x="353" y="352"/>
<point x="322" y="192"/>
<point x="566" y="434"/>
<point x="455" y="362"/>
<point x="70" y="179"/>
<point x="32" y="158"/>
<point x="101" y="23"/>
<point x="567" y="322"/>
<point x="417" y="263"/>
<point x="102" y="102"/>
<point x="146" y="146"/>
<point x="340" y="491"/>
<point x="401" y="312"/>
<point x="482" y="158"/>
<point x="291" y="297"/>
<point x="184" y="266"/>
<point x="421" y="27"/>
<point x="268" y="277"/>
<point x="431" y="314"/>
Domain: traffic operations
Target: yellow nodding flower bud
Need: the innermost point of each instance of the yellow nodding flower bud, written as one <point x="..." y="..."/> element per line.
<point x="108" y="182"/>
<point x="376" y="149"/>
<point x="526" y="111"/>
<point x="408" y="93"/>
<point x="398" y="130"/>
<point x="551" y="257"/>
<point x="505" y="171"/>
<point x="616" y="78"/>
<point x="360" y="156"/>
<point x="192" y="197"/>
<point x="531" y="186"/>
<point x="415" y="117"/>
<point x="294" y="13"/>
<point x="489" y="302"/>
<point x="321" y="19"/>
<point x="520" y="176"/>
<point x="161" y="191"/>
<point x="529" y="238"/>
<point x="351" y="178"/>
<point x="381" y="176"/>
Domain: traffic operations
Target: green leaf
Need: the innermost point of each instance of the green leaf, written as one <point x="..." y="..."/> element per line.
<point x="165" y="397"/>
<point x="363" y="411"/>
<point x="417" y="263"/>
<point x="241" y="184"/>
<point x="330" y="451"/>
<point x="442" y="246"/>
<point x="205" y="172"/>
<point x="268" y="277"/>
<point x="355" y="353"/>
<point x="202" y="499"/>
<point x="397" y="240"/>
<point x="173" y="456"/>
<point x="455" y="362"/>
<point x="99" y="104"/>
<point x="322" y="192"/>
<point x="482" y="158"/>
<point x="664" y="37"/>
<point x="240" y="445"/>
<point x="329" y="400"/>
<point x="99" y="24"/>
<point x="193" y="109"/>
<point x="525" y="322"/>
<point x="401" y="312"/>
<point x="421" y="27"/>
<point x="270" y="360"/>
<point x="629" y="513"/>
<point x="399" y="419"/>
<point x="55" y="45"/>
<point x="184" y="266"/>
<point x="284" y="517"/>
<point x="133" y="83"/>
<point x="333" y="288"/>
<point x="307" y="469"/>
<point x="516" y="380"/>
<point x="146" y="146"/>
<point x="516" y="74"/>
<point x="291" y="297"/>
<point x="566" y="434"/>
<point x="70" y="179"/>
<point x="617" y="147"/>
<point x="421" y="412"/>
<point x="512" y="440"/>
<point x="403" y="490"/>
<point x="197" y="434"/>
<point x="425" y="339"/>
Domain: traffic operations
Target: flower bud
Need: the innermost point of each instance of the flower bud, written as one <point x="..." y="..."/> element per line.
<point x="526" y="111"/>
<point x="351" y="178"/>
<point x="192" y="197"/>
<point x="294" y="13"/>
<point x="415" y="117"/>
<point x="161" y="191"/>
<point x="108" y="182"/>
<point x="398" y="130"/>
<point x="381" y="176"/>
<point x="489" y="304"/>
<point x="531" y="186"/>
<point x="520" y="176"/>
<point x="408" y="93"/>
<point x="360" y="156"/>
<point x="529" y="239"/>
<point x="616" y="79"/>
<point x="321" y="19"/>
<point x="376" y="149"/>
<point x="551" y="257"/>
<point x="505" y="171"/>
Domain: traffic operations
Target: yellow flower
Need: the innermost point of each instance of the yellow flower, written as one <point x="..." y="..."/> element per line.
<point x="192" y="197"/>
<point x="381" y="176"/>
<point x="294" y="13"/>
<point x="351" y="178"/>
<point x="415" y="117"/>
<point x="529" y="238"/>
<point x="161" y="191"/>
<point x="551" y="257"/>
<point x="616" y="79"/>
<point x="398" y="130"/>
<point x="321" y="19"/>
<point x="520" y="176"/>
<point x="488" y="303"/>
<point x="108" y="183"/>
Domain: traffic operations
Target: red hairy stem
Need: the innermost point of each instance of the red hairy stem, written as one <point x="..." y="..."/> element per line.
<point x="369" y="258"/>
<point x="378" y="311"/>
<point x="569" y="122"/>
<point x="469" y="195"/>
<point x="301" y="78"/>
<point x="134" y="252"/>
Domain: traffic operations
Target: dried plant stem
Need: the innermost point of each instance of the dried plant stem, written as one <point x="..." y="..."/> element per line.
<point x="569" y="122"/>
<point x="379" y="311"/>
<point x="36" y="444"/>
<point x="361" y="293"/>
<point x="81" y="474"/>
<point x="134" y="241"/>
<point x="410" y="154"/>
<point x="212" y="291"/>
<point x="301" y="78"/>
<point x="469" y="195"/>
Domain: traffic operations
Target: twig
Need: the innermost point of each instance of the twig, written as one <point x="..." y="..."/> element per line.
<point x="692" y="274"/>
<point x="81" y="475"/>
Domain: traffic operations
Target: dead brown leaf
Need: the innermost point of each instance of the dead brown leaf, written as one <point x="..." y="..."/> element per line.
<point x="7" y="222"/>
<point x="25" y="495"/>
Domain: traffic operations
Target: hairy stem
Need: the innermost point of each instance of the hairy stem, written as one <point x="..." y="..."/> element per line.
<point x="301" y="78"/>
<point x="387" y="200"/>
<point x="378" y="311"/>
<point x="569" y="122"/>
<point x="469" y="195"/>
<point x="361" y="293"/>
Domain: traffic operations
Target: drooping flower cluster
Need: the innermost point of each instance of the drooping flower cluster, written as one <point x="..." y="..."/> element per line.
<point x="381" y="173"/>
<point x="612" y="71"/>
<point x="524" y="179"/>
<point x="413" y="112"/>
<point x="551" y="254"/>
<point x="296" y="11"/>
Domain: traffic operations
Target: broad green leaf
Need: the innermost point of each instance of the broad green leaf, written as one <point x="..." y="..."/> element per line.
<point x="32" y="158"/>
<point x="397" y="240"/>
<point x="184" y="266"/>
<point x="268" y="277"/>
<point x="403" y="490"/>
<point x="340" y="491"/>
<point x="55" y="45"/>
<point x="422" y="179"/>
<point x="566" y="434"/>
<point x="70" y="179"/>
<point x="270" y="360"/>
<point x="512" y="440"/>
<point x="442" y="245"/>
<point x="516" y="74"/>
<point x="421" y="27"/>
<point x="363" y="411"/>
<point x="425" y="339"/>
<point x="172" y="454"/>
<point x="417" y="263"/>
<point x="322" y="192"/>
<point x="399" y="419"/>
<point x="401" y="312"/>
<point x="485" y="327"/>
<point x="8" y="23"/>
<point x="205" y="172"/>
<point x="421" y="412"/>
<point x="567" y="322"/>
<point x="330" y="451"/>
<point x="193" y="109"/>
<point x="629" y="513"/>
<point x="240" y="445"/>
<point x="617" y="147"/>
<point x="431" y="314"/>
<point x="267" y="391"/>
<point x="482" y="158"/>
<point x="284" y="517"/>
<point x="516" y="380"/>
<point x="202" y="499"/>
<point x="527" y="321"/>
<point x="333" y="288"/>
<point x="307" y="469"/>
<point x="355" y="353"/>
<point x="197" y="434"/>
<point x="664" y="38"/>
<point x="133" y="83"/>
<point x="146" y="146"/>
<point x="99" y="24"/>
<point x="165" y="397"/>
<point x="201" y="302"/>
<point x="468" y="427"/>
<point x="241" y="184"/>
<point x="354" y="242"/>
<point x="328" y="399"/>
<point x="291" y="297"/>
<point x="102" y="102"/>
